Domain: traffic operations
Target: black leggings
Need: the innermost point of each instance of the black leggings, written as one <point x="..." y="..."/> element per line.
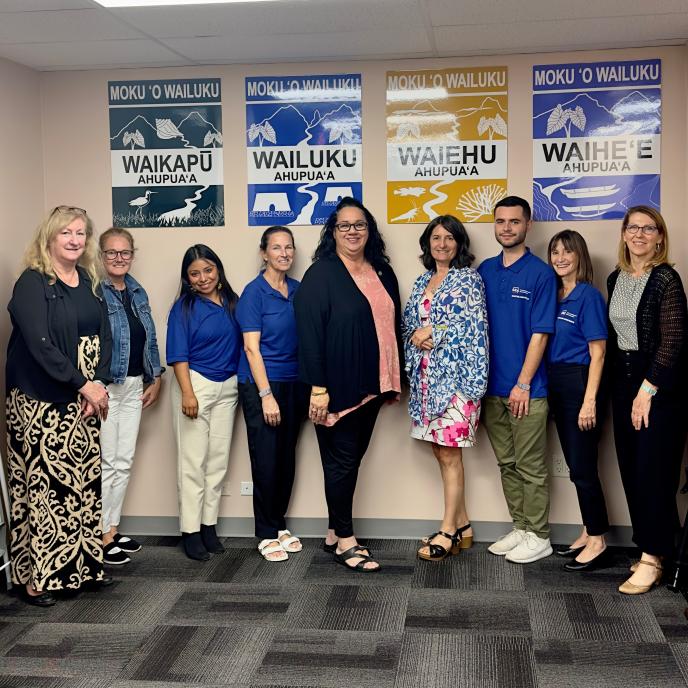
<point x="650" y="458"/>
<point x="566" y="384"/>
<point x="342" y="447"/>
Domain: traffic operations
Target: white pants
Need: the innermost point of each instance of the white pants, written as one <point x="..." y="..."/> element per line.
<point x="203" y="448"/>
<point x="118" y="442"/>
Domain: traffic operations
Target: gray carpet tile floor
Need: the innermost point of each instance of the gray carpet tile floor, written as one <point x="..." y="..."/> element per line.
<point x="239" y="621"/>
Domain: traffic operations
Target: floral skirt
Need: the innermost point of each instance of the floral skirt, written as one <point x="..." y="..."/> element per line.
<point x="456" y="427"/>
<point x="54" y="484"/>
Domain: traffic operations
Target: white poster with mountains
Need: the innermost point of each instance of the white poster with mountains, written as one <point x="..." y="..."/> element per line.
<point x="303" y="146"/>
<point x="166" y="153"/>
<point x="596" y="139"/>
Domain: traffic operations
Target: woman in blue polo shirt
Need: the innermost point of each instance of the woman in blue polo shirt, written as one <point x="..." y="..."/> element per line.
<point x="274" y="402"/>
<point x="203" y="343"/>
<point x="576" y="357"/>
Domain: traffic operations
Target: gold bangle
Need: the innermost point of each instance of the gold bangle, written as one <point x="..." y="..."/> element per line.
<point x="318" y="394"/>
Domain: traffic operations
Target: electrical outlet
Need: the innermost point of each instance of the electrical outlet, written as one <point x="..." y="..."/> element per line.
<point x="246" y="489"/>
<point x="558" y="467"/>
<point x="225" y="490"/>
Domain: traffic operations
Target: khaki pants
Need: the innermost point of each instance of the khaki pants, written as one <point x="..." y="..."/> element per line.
<point x="520" y="448"/>
<point x="203" y="449"/>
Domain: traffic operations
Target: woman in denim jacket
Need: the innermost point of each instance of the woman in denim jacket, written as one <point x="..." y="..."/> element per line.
<point x="135" y="366"/>
<point x="446" y="352"/>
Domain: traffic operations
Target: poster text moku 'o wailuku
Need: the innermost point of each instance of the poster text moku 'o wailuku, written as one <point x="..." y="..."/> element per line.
<point x="596" y="136"/>
<point x="166" y="153"/>
<point x="303" y="138"/>
<point x="446" y="143"/>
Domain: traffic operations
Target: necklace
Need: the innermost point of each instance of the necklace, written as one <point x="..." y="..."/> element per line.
<point x="71" y="280"/>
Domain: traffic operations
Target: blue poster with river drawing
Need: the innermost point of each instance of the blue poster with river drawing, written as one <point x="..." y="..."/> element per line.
<point x="596" y="139"/>
<point x="166" y="153"/>
<point x="303" y="146"/>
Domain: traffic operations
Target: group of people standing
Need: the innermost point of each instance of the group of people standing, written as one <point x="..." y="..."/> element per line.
<point x="512" y="340"/>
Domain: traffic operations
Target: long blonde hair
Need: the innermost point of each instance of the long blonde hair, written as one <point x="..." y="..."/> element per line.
<point x="661" y="256"/>
<point x="37" y="256"/>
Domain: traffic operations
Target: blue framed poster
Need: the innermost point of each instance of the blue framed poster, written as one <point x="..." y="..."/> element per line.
<point x="166" y="153"/>
<point x="596" y="139"/>
<point x="303" y="139"/>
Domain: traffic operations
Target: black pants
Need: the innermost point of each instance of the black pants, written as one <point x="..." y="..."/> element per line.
<point x="273" y="451"/>
<point x="566" y="385"/>
<point x="342" y="447"/>
<point x="650" y="458"/>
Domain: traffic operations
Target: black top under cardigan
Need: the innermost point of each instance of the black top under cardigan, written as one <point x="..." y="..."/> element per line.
<point x="662" y="323"/>
<point x="43" y="347"/>
<point x="338" y="347"/>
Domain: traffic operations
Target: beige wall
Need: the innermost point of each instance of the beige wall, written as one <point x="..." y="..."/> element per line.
<point x="21" y="181"/>
<point x="399" y="478"/>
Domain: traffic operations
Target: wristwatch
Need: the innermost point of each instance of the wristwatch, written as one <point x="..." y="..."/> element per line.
<point x="523" y="386"/>
<point x="262" y="393"/>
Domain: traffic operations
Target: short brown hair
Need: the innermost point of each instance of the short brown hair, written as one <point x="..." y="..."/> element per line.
<point x="661" y="256"/>
<point x="573" y="241"/>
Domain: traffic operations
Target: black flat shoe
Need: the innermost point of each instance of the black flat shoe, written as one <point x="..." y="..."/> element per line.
<point x="569" y="552"/>
<point x="330" y="549"/>
<point x="45" y="599"/>
<point x="601" y="561"/>
<point x="210" y="540"/>
<point x="194" y="547"/>
<point x="95" y="585"/>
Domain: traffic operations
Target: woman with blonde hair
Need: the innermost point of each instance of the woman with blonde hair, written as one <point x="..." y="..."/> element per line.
<point x="136" y="375"/>
<point x="58" y="363"/>
<point x="648" y="348"/>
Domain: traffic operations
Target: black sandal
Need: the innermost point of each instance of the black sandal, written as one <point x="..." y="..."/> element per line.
<point x="355" y="553"/>
<point x="467" y="541"/>
<point x="438" y="552"/>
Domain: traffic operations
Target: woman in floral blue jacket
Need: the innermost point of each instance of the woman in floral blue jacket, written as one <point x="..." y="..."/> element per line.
<point x="446" y="349"/>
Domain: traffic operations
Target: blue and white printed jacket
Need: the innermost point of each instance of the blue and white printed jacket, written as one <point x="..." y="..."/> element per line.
<point x="120" y="331"/>
<point x="459" y="358"/>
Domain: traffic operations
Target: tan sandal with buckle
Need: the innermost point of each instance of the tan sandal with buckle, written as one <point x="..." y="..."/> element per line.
<point x="628" y="588"/>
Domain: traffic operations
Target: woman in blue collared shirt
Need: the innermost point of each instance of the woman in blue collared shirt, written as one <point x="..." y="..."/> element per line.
<point x="135" y="371"/>
<point x="575" y="360"/>
<point x="274" y="402"/>
<point x="203" y="343"/>
<point x="446" y="351"/>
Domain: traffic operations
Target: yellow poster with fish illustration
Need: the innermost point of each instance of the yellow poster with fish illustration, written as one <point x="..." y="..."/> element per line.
<point x="446" y="143"/>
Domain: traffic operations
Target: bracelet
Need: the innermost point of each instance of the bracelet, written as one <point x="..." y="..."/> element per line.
<point x="650" y="390"/>
<point x="318" y="394"/>
<point x="262" y="393"/>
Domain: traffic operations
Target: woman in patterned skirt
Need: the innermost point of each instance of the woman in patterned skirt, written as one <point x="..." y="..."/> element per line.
<point x="446" y="350"/>
<point x="58" y="363"/>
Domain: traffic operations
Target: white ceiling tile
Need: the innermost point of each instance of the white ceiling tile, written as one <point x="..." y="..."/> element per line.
<point x="566" y="34"/>
<point x="289" y="16"/>
<point x="451" y="12"/>
<point x="67" y="25"/>
<point x="301" y="46"/>
<point x="34" y="5"/>
<point x="88" y="54"/>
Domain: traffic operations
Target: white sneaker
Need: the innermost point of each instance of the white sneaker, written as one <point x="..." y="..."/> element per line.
<point x="530" y="549"/>
<point x="507" y="542"/>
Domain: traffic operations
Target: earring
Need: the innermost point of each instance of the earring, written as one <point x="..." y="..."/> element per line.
<point x="219" y="286"/>
<point x="658" y="246"/>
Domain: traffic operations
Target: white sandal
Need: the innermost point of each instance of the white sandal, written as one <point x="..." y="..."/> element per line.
<point x="265" y="547"/>
<point x="288" y="541"/>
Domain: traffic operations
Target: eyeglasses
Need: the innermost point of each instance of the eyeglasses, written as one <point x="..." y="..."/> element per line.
<point x="345" y="227"/>
<point x="111" y="254"/>
<point x="67" y="209"/>
<point x="648" y="230"/>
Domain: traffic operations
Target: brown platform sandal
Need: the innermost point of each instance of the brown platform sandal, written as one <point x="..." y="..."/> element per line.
<point x="438" y="552"/>
<point x="467" y="541"/>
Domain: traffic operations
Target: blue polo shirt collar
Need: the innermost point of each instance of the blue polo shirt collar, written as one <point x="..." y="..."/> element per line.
<point x="518" y="265"/>
<point x="267" y="288"/>
<point x="575" y="294"/>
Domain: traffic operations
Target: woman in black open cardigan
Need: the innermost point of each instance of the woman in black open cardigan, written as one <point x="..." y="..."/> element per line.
<point x="647" y="388"/>
<point x="340" y="358"/>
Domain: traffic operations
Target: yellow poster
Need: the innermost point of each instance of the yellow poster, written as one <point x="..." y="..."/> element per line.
<point x="446" y="143"/>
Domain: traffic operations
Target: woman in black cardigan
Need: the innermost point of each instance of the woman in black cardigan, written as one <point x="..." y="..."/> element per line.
<point x="648" y="344"/>
<point x="348" y="318"/>
<point x="58" y="363"/>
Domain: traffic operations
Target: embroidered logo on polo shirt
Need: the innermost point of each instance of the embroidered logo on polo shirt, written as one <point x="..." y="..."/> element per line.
<point x="519" y="293"/>
<point x="567" y="316"/>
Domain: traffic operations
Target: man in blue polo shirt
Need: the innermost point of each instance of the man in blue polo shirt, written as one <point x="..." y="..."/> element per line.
<point x="521" y="295"/>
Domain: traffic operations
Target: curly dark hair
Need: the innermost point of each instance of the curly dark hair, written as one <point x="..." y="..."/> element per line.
<point x="188" y="295"/>
<point x="463" y="258"/>
<point x="375" y="250"/>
